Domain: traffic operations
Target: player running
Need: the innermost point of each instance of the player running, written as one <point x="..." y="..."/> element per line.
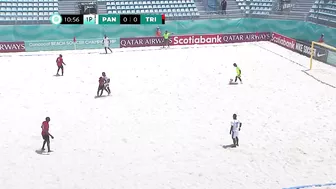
<point x="60" y="64"/>
<point x="45" y="134"/>
<point x="107" y="83"/>
<point x="106" y="43"/>
<point x="234" y="130"/>
<point x="238" y="76"/>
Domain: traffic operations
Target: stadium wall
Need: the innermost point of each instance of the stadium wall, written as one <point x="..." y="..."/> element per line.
<point x="294" y="29"/>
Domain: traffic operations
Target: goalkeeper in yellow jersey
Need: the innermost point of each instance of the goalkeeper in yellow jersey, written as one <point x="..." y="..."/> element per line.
<point x="238" y="76"/>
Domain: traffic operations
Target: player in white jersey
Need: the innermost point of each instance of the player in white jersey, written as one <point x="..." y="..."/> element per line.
<point x="107" y="83"/>
<point x="106" y="43"/>
<point x="234" y="131"/>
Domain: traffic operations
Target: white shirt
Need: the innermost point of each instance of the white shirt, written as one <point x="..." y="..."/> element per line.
<point x="106" y="42"/>
<point x="107" y="80"/>
<point x="235" y="125"/>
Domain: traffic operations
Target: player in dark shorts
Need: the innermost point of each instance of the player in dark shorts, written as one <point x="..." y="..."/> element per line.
<point x="166" y="36"/>
<point x="45" y="134"/>
<point x="101" y="86"/>
<point x="238" y="70"/>
<point x="60" y="64"/>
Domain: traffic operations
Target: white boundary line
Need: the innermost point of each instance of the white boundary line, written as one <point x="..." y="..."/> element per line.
<point x="120" y="50"/>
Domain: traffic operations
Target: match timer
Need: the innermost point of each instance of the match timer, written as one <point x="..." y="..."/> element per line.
<point x="66" y="19"/>
<point x="129" y="19"/>
<point x="72" y="19"/>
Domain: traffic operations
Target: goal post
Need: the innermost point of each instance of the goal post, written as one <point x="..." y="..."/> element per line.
<point x="331" y="52"/>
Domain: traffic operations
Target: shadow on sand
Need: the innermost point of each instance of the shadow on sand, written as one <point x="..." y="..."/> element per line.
<point x="233" y="83"/>
<point x="229" y="146"/>
<point x="103" y="96"/>
<point x="41" y="152"/>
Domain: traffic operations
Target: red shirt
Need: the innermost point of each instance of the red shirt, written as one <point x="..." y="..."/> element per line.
<point x="101" y="81"/>
<point x="45" y="128"/>
<point x="321" y="40"/>
<point x="59" y="61"/>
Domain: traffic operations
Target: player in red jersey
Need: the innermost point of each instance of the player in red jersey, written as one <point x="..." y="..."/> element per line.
<point x="45" y="134"/>
<point x="321" y="40"/>
<point x="101" y="86"/>
<point x="60" y="64"/>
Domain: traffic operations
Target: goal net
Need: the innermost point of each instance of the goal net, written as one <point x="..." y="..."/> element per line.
<point x="323" y="63"/>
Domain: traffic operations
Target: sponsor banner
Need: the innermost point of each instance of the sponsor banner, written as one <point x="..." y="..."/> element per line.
<point x="331" y="59"/>
<point x="68" y="44"/>
<point x="304" y="48"/>
<point x="284" y="41"/>
<point x="247" y="37"/>
<point x="7" y="47"/>
<point x="220" y="38"/>
<point x="142" y="42"/>
<point x="195" y="39"/>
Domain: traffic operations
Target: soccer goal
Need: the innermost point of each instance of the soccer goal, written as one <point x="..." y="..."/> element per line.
<point x="330" y="53"/>
<point x="323" y="72"/>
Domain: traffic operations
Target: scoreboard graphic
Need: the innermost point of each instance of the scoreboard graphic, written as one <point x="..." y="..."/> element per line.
<point x="106" y="19"/>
